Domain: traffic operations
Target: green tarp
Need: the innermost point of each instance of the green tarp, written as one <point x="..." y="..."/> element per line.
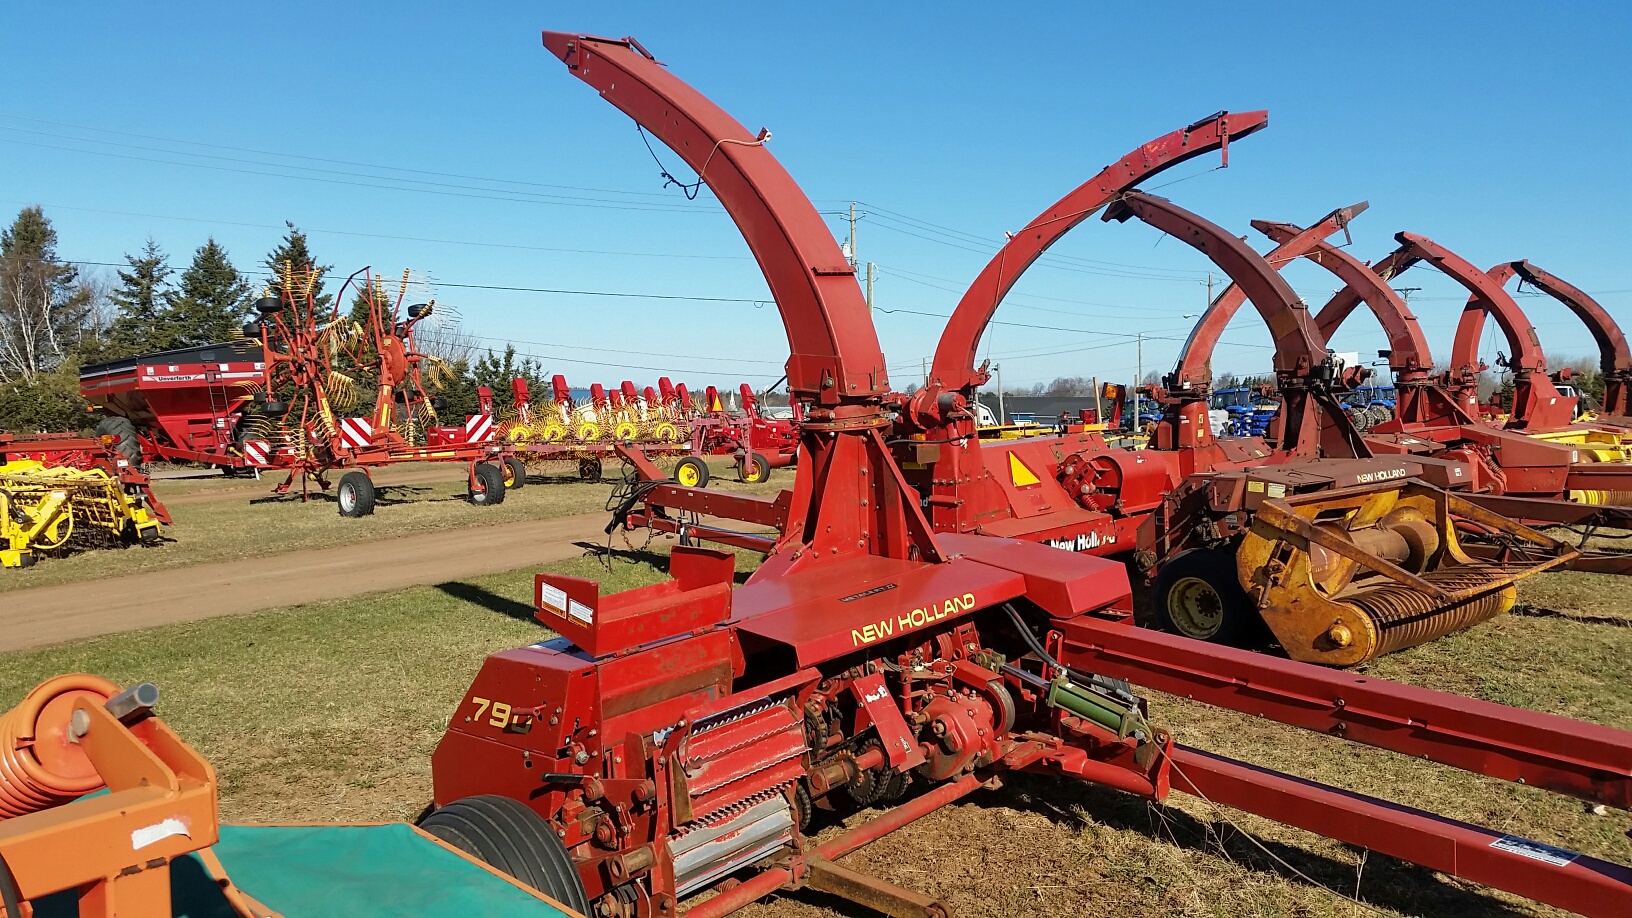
<point x="387" y="871"/>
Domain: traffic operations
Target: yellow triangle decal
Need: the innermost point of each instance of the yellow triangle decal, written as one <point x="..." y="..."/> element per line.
<point x="1019" y="474"/>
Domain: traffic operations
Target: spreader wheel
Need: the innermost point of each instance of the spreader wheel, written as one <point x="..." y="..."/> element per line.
<point x="356" y="495"/>
<point x="506" y="835"/>
<point x="589" y="469"/>
<point x="128" y="446"/>
<point x="489" y="487"/>
<point x="515" y="474"/>
<point x="691" y="472"/>
<point x="1198" y="595"/>
<point x="753" y="469"/>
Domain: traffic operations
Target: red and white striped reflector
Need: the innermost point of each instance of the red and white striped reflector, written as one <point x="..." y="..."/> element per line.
<point x="256" y="451"/>
<point x="356" y="432"/>
<point x="479" y="428"/>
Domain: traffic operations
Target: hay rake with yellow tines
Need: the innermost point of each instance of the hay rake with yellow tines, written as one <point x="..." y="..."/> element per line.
<point x="321" y="362"/>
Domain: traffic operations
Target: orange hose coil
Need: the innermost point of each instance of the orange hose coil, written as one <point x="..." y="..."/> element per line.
<point x="40" y="765"/>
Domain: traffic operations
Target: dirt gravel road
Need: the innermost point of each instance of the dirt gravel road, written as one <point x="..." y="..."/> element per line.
<point x="72" y="611"/>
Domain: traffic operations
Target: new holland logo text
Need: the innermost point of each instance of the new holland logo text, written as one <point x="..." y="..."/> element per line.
<point x="906" y="621"/>
<point x="1087" y="541"/>
<point x="1383" y="475"/>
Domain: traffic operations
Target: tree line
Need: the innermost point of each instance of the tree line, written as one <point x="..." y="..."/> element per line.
<point x="55" y="319"/>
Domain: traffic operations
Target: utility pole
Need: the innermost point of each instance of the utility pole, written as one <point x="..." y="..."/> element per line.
<point x="869" y="274"/>
<point x="1136" y="380"/>
<point x="925" y="362"/>
<point x="1099" y="414"/>
<point x="852" y="234"/>
<point x="1209" y="289"/>
<point x="1002" y="415"/>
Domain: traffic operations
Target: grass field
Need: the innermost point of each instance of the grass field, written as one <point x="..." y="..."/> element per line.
<point x="330" y="712"/>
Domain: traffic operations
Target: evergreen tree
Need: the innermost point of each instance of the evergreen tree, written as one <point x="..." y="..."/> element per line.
<point x="212" y="301"/>
<point x="459" y="394"/>
<point x="294" y="254"/>
<point x="42" y="304"/>
<point x="496" y="372"/>
<point x="142" y="324"/>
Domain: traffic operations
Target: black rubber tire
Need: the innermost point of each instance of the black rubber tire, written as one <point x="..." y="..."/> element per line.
<point x="507" y="836"/>
<point x="694" y="464"/>
<point x="1203" y="570"/>
<point x="753" y="469"/>
<point x="356" y="494"/>
<point x="517" y="470"/>
<point x="128" y="446"/>
<point x="589" y="470"/>
<point x="491" y="480"/>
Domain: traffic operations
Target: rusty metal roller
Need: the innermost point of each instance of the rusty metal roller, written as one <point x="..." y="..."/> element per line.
<point x="1405" y="617"/>
<point x="1343" y="577"/>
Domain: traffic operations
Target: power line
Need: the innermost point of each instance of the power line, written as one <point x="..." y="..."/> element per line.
<point x="607" y="350"/>
<point x="643" y="296"/>
<point x="333" y="232"/>
<point x="317" y="159"/>
<point x="1044" y="262"/>
<point x="902" y="274"/>
<point x="984" y="241"/>
<point x="495" y="195"/>
<point x="557" y="290"/>
<point x="1080" y="331"/>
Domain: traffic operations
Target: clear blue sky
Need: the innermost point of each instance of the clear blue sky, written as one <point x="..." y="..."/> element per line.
<point x="1499" y="129"/>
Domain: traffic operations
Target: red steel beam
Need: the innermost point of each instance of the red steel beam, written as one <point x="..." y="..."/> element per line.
<point x="1583" y="760"/>
<point x="835" y="367"/>
<point x="954" y="366"/>
<point x="834" y="349"/>
<point x="1297" y="347"/>
<point x="1565" y="879"/>
<point x="1195" y="365"/>
<point x="1347" y="300"/>
<point x="1408" y="346"/>
<point x="1614" y="355"/>
<point x="1487" y="295"/>
<point x="1311" y="422"/>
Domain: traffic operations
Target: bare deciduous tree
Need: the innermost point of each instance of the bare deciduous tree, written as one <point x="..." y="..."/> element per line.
<point x="42" y="304"/>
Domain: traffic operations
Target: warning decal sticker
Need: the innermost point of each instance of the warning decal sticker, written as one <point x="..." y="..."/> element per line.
<point x="1019" y="474"/>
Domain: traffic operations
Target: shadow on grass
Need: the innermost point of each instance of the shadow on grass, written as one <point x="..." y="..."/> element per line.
<point x="1528" y="611"/>
<point x="1385" y="881"/>
<point x="489" y="600"/>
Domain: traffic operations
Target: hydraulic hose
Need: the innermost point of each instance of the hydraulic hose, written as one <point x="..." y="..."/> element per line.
<point x="1114" y="687"/>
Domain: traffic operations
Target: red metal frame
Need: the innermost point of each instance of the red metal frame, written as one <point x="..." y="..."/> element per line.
<point x="1310" y="423"/>
<point x="836" y="366"/>
<point x="954" y="366"/>
<point x="301" y="352"/>
<point x="84" y="453"/>
<point x="713" y="711"/>
<point x="1438" y="415"/>
<point x="1614" y="355"/>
